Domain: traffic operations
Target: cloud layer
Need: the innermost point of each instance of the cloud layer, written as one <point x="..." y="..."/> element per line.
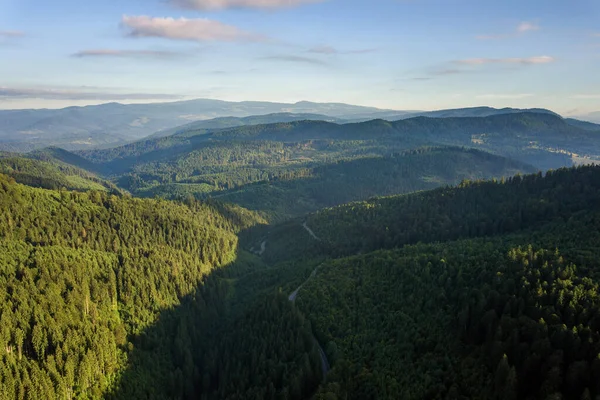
<point x="332" y="50"/>
<point x="11" y="34"/>
<point x="527" y="27"/>
<point x="522" y="61"/>
<point x="201" y="29"/>
<point x="208" y="5"/>
<point x="521" y="29"/>
<point x="126" y="53"/>
<point x="295" y="59"/>
<point x="504" y="96"/>
<point x="75" y="94"/>
<point x="586" y="96"/>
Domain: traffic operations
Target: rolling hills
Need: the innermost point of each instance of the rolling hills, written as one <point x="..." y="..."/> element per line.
<point x="114" y="124"/>
<point x="485" y="289"/>
<point x="279" y="158"/>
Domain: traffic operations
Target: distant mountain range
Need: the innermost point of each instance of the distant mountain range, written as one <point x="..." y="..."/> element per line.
<point x="285" y="169"/>
<point x="200" y="161"/>
<point x="114" y="124"/>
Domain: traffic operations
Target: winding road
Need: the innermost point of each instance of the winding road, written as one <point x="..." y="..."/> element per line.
<point x="263" y="246"/>
<point x="310" y="232"/>
<point x="292" y="297"/>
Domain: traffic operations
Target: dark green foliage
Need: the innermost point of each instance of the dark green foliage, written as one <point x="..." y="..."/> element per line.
<point x="466" y="318"/>
<point x="52" y="174"/>
<point x="287" y="169"/>
<point x="541" y="139"/>
<point x="472" y="209"/>
<point x="82" y="272"/>
<point x="283" y="180"/>
<point x="270" y="354"/>
<point x="346" y="181"/>
<point x="487" y="290"/>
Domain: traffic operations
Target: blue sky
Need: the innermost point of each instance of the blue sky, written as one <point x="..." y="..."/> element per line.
<point x="401" y="54"/>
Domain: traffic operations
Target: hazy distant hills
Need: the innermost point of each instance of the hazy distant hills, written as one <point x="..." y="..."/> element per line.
<point x="232" y="122"/>
<point x="589" y="126"/>
<point x="592" y="117"/>
<point x="286" y="168"/>
<point x="476" y="112"/>
<point x="114" y="124"/>
<point x="529" y="137"/>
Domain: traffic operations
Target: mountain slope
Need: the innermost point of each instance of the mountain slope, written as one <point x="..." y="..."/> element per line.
<point x="589" y="126"/>
<point x="477" y="112"/>
<point x="83" y="273"/>
<point x="544" y="140"/>
<point x="114" y="123"/>
<point x="488" y="290"/>
<point x="359" y="179"/>
<point x="193" y="128"/>
<point x="472" y="209"/>
<point x="52" y="174"/>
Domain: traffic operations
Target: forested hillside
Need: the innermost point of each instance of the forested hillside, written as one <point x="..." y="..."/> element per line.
<point x="362" y="178"/>
<point x="510" y="313"/>
<point x="52" y="174"/>
<point x="264" y="167"/>
<point x="81" y="273"/>
<point x="485" y="290"/>
<point x="478" y="208"/>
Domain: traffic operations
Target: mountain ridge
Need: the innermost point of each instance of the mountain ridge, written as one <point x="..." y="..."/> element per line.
<point x="113" y="124"/>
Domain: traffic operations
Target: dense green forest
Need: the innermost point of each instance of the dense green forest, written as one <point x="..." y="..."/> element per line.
<point x="471" y="209"/>
<point x="83" y="272"/>
<point x="280" y="169"/>
<point x="362" y="178"/>
<point x="475" y="289"/>
<point x="544" y="140"/>
<point x="52" y="174"/>
<point x="279" y="180"/>
<point x="510" y="313"/>
<point x="110" y="296"/>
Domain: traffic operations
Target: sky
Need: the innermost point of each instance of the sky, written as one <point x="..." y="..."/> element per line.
<point x="394" y="54"/>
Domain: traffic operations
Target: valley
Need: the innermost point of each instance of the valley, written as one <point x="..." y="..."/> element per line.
<point x="299" y="200"/>
<point x="306" y="259"/>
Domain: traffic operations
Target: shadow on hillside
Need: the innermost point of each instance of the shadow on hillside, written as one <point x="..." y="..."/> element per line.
<point x="163" y="359"/>
<point x="176" y="357"/>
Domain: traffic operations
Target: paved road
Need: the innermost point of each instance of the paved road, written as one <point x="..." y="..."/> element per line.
<point x="292" y="296"/>
<point x="324" y="362"/>
<point x="310" y="232"/>
<point x="263" y="246"/>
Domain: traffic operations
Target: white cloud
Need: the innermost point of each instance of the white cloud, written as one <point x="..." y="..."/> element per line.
<point x="332" y="50"/>
<point x="324" y="50"/>
<point x="522" y="61"/>
<point x="78" y="94"/>
<point x="527" y="27"/>
<point x="200" y="29"/>
<point x="504" y="96"/>
<point x="521" y="29"/>
<point x="295" y="59"/>
<point x="586" y="96"/>
<point x="208" y="5"/>
<point x="125" y="53"/>
<point x="11" y="34"/>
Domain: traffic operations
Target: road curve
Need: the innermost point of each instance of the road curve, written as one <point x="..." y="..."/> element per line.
<point x="310" y="231"/>
<point x="292" y="297"/>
